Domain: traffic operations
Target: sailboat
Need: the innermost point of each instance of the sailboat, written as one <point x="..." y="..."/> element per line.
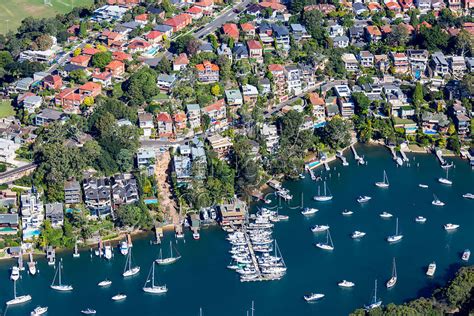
<point x="396" y="237"/>
<point x="18" y="299"/>
<point x="170" y="259"/>
<point x="154" y="289"/>
<point x="327" y="196"/>
<point x="445" y="180"/>
<point x="375" y="303"/>
<point x="328" y="245"/>
<point x="129" y="270"/>
<point x="436" y="201"/>
<point x="384" y="183"/>
<point x="393" y="280"/>
<point x="60" y="286"/>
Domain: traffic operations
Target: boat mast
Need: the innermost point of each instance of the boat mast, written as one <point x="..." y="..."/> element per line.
<point x="60" y="267"/>
<point x="153" y="275"/>
<point x="14" y="289"/>
<point x="253" y="309"/>
<point x="171" y="249"/>
<point x="396" y="228"/>
<point x="394" y="269"/>
<point x="375" y="291"/>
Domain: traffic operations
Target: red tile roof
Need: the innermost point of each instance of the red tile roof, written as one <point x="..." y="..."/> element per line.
<point x="153" y="34"/>
<point x="90" y="51"/>
<point x="207" y="64"/>
<point x="142" y="17"/>
<point x="118" y="55"/>
<point x="275" y="6"/>
<point x="253" y="44"/>
<point x="164" y="117"/>
<point x="275" y="67"/>
<point x="247" y="27"/>
<point x="194" y="10"/>
<point x="80" y="59"/>
<point x="90" y="86"/>
<point x="178" y="20"/>
<point x="114" y="64"/>
<point x="373" y="30"/>
<point x="182" y="59"/>
<point x="231" y="30"/>
<point x="214" y="107"/>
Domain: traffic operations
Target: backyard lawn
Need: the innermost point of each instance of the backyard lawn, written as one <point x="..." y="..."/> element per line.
<point x="12" y="12"/>
<point x="6" y="109"/>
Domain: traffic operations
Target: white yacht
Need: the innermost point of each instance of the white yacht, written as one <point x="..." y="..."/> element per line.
<point x="31" y="265"/>
<point x="393" y="280"/>
<point x="328" y="245"/>
<point x="196" y="235"/>
<point x="154" y="289"/>
<point x="18" y="299"/>
<point x="424" y="186"/>
<point x="347" y="212"/>
<point x="468" y="196"/>
<point x="119" y="297"/>
<point x="436" y="201"/>
<point x="431" y="269"/>
<point x="171" y="259"/>
<point x="420" y="219"/>
<point x="466" y="255"/>
<point x="39" y="310"/>
<point x="88" y="311"/>
<point x="104" y="283"/>
<point x="346" y="284"/>
<point x="15" y="273"/>
<point x="384" y="183"/>
<point x="309" y="211"/>
<point x="385" y="215"/>
<point x="375" y="302"/>
<point x="108" y="252"/>
<point x="319" y="228"/>
<point x="313" y="297"/>
<point x="357" y="234"/>
<point x="124" y="247"/>
<point x="60" y="287"/>
<point x="396" y="237"/>
<point x="129" y="270"/>
<point x="327" y="196"/>
<point x="364" y="199"/>
<point x="450" y="226"/>
<point x="445" y="180"/>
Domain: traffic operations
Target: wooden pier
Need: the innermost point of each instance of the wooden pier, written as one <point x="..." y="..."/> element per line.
<point x="340" y="155"/>
<point x="439" y="155"/>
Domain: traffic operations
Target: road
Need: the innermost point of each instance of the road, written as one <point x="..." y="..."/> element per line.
<point x="4" y="177"/>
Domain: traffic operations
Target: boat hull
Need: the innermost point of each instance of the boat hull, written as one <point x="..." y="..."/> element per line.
<point x="62" y="288"/>
<point x="19" y="300"/>
<point x="155" y="290"/>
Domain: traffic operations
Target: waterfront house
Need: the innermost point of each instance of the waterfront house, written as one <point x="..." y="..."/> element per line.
<point x="124" y="189"/>
<point x="220" y="145"/>
<point x="165" y="124"/>
<point x="346" y="107"/>
<point x="433" y="123"/>
<point x="72" y="192"/>
<point x="232" y="213"/>
<point x="54" y="212"/>
<point x="32" y="213"/>
<point x="462" y="122"/>
<point x="207" y="72"/>
<point x="97" y="195"/>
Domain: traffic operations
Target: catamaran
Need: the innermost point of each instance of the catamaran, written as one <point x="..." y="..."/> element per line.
<point x="39" y="310"/>
<point x="327" y="196"/>
<point x="18" y="299"/>
<point x="393" y="280"/>
<point x="450" y="226"/>
<point x="319" y="228"/>
<point x="104" y="283"/>
<point x="309" y="211"/>
<point x="60" y="286"/>
<point x="363" y="199"/>
<point x="346" y="284"/>
<point x="328" y="245"/>
<point x="313" y="297"/>
<point x="445" y="180"/>
<point x="396" y="237"/>
<point x="357" y="234"/>
<point x="436" y="201"/>
<point x="129" y="270"/>
<point x="375" y="303"/>
<point x="171" y="259"/>
<point x="420" y="219"/>
<point x="154" y="289"/>
<point x="431" y="269"/>
<point x="384" y="183"/>
<point x="465" y="255"/>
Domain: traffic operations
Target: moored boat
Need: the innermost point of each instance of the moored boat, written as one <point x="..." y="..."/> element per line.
<point x="104" y="283"/>
<point x="319" y="228"/>
<point x="328" y="245"/>
<point x="364" y="199"/>
<point x="393" y="280"/>
<point x="309" y="211"/>
<point x="39" y="310"/>
<point x="450" y="226"/>
<point x="468" y="196"/>
<point x="129" y="270"/>
<point x="431" y="269"/>
<point x="420" y="219"/>
<point x="436" y="201"/>
<point x="357" y="234"/>
<point x="385" y="215"/>
<point x="313" y="297"/>
<point x="384" y="183"/>
<point x="424" y="186"/>
<point x="347" y="212"/>
<point x="60" y="287"/>
<point x="375" y="302"/>
<point x="18" y="299"/>
<point x="15" y="273"/>
<point x="119" y="297"/>
<point x="466" y="255"/>
<point x="346" y="284"/>
<point x="88" y="311"/>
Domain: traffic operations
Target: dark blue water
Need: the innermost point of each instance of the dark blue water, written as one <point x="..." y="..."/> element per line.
<point x="200" y="278"/>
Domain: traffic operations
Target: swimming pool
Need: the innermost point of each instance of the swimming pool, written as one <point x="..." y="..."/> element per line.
<point x="152" y="51"/>
<point x="31" y="233"/>
<point x="430" y="132"/>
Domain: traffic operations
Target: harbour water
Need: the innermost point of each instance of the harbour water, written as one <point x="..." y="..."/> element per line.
<point x="201" y="279"/>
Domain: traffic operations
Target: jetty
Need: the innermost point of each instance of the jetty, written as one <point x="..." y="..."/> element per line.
<point x="404" y="155"/>
<point x="51" y="255"/>
<point x="252" y="254"/>
<point x="340" y="155"/>
<point x="356" y="156"/>
<point x="313" y="177"/>
<point x="439" y="155"/>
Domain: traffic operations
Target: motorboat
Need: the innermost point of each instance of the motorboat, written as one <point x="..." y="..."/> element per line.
<point x="357" y="234"/>
<point x="88" y="311"/>
<point x="119" y="297"/>
<point x="104" y="283"/>
<point x="196" y="236"/>
<point x="108" y="252"/>
<point x="15" y="273"/>
<point x="319" y="228"/>
<point x="124" y="248"/>
<point x="420" y="219"/>
<point x="31" y="265"/>
<point x="385" y="215"/>
<point x="347" y="212"/>
<point x="309" y="211"/>
<point x="424" y="186"/>
<point x="468" y="196"/>
<point x="450" y="226"/>
<point x="39" y="310"/>
<point x="465" y="255"/>
<point x="346" y="284"/>
<point x="313" y="297"/>
<point x="364" y="199"/>
<point x="431" y="269"/>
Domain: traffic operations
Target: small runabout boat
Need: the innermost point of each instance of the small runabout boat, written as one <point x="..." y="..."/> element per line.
<point x="420" y="219"/>
<point x="347" y="212"/>
<point x="346" y="284"/>
<point x="39" y="310"/>
<point x="364" y="199"/>
<point x="104" y="283"/>
<point x="450" y="226"/>
<point x="465" y="255"/>
<point x="431" y="269"/>
<point x="88" y="311"/>
<point x="309" y="211"/>
<point x="357" y="234"/>
<point x="119" y="297"/>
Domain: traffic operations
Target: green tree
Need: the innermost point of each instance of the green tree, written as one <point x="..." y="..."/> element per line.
<point x="101" y="59"/>
<point x="44" y="42"/>
<point x="336" y="133"/>
<point x="83" y="29"/>
<point x="216" y="90"/>
<point x="141" y="86"/>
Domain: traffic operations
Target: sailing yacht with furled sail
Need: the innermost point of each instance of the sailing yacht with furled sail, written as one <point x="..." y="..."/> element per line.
<point x="129" y="270"/>
<point x="327" y="196"/>
<point x="18" y="299"/>
<point x="393" y="280"/>
<point x="60" y="287"/>
<point x="436" y="201"/>
<point x="154" y="289"/>
<point x="374" y="303"/>
<point x="328" y="245"/>
<point x="396" y="237"/>
<point x="171" y="259"/>
<point x="445" y="180"/>
<point x="384" y="183"/>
